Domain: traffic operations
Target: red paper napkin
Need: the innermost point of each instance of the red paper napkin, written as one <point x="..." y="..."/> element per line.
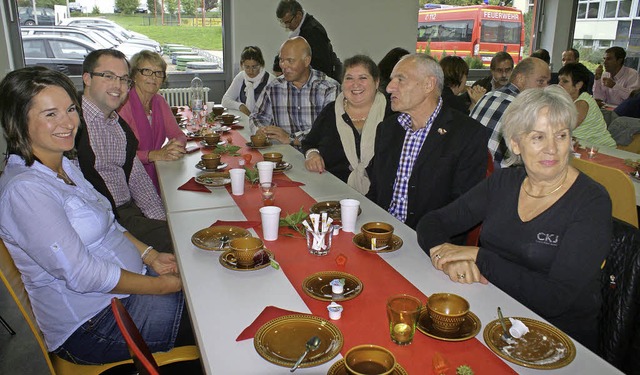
<point x="192" y="185"/>
<point x="269" y="312"/>
<point x="246" y="224"/>
<point x="286" y="183"/>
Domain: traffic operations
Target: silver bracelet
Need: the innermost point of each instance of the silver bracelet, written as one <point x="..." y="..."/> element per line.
<point x="309" y="151"/>
<point x="146" y="252"/>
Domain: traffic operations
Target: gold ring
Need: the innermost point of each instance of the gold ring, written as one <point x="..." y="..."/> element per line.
<point x="438" y="256"/>
<point x="461" y="276"/>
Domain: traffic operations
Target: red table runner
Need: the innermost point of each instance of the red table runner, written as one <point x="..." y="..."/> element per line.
<point x="364" y="319"/>
<point x="606" y="160"/>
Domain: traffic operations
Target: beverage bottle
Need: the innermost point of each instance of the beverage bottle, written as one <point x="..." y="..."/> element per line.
<point x="197" y="99"/>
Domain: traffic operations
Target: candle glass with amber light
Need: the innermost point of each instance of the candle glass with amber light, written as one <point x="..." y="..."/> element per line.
<point x="403" y="311"/>
<point x="268" y="191"/>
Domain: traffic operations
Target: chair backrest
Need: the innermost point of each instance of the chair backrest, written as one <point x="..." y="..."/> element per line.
<point x="142" y="357"/>
<point x="618" y="185"/>
<point x="13" y="281"/>
<point x="619" y="321"/>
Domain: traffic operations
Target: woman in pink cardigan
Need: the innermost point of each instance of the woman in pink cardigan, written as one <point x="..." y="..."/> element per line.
<point x="150" y="116"/>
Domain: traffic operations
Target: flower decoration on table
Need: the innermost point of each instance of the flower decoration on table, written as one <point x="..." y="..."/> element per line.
<point x="227" y="149"/>
<point x="439" y="363"/>
<point x="294" y="221"/>
<point x="632" y="163"/>
<point x="464" y="370"/>
<point x="251" y="174"/>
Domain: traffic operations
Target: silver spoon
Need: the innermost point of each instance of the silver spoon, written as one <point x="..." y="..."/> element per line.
<point x="223" y="241"/>
<point x="311" y="345"/>
<point x="506" y="336"/>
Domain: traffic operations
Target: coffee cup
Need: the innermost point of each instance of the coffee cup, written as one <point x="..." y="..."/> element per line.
<point x="377" y="234"/>
<point x="228" y="118"/>
<point x="212" y="139"/>
<point x="258" y="140"/>
<point x="447" y="311"/>
<point x="369" y="360"/>
<point x="244" y="250"/>
<point x="218" y="109"/>
<point x="274" y="157"/>
<point x="210" y="161"/>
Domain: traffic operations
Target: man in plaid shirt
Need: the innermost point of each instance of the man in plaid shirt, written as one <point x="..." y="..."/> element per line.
<point x="529" y="73"/>
<point x="292" y="102"/>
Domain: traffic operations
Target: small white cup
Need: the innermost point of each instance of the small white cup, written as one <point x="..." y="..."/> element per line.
<point x="210" y="106"/>
<point x="265" y="171"/>
<point x="349" y="214"/>
<point x="518" y="329"/>
<point x="270" y="216"/>
<point x="237" y="181"/>
<point x="335" y="311"/>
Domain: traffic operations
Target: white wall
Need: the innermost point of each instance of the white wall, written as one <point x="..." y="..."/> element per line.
<point x="371" y="27"/>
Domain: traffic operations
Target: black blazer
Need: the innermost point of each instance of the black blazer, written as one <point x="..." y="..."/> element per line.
<point x="448" y="164"/>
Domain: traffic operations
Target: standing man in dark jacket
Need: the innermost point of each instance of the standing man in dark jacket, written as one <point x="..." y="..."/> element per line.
<point x="300" y="23"/>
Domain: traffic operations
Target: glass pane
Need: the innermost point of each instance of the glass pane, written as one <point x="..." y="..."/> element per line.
<point x="449" y="31"/>
<point x="582" y="11"/>
<point x="500" y="32"/>
<point x="610" y="9"/>
<point x="593" y="10"/>
<point x="624" y="10"/>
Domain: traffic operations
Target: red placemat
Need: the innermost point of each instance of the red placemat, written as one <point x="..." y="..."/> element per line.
<point x="606" y="160"/>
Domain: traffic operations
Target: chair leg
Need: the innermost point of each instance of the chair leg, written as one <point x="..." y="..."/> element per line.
<point x="7" y="326"/>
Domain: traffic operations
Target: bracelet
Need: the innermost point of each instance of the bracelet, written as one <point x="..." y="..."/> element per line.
<point x="146" y="252"/>
<point x="309" y="151"/>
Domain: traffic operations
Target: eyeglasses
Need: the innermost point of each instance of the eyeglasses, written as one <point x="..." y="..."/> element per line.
<point x="251" y="68"/>
<point x="502" y="71"/>
<point x="123" y="80"/>
<point x="149" y="73"/>
<point x="287" y="23"/>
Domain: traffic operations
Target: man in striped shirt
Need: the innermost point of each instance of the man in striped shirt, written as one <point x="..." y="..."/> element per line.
<point x="292" y="101"/>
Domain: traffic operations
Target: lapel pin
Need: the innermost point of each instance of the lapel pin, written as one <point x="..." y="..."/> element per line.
<point x="442" y="131"/>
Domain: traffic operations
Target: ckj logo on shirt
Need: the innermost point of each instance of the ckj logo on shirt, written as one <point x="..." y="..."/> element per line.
<point x="547" y="238"/>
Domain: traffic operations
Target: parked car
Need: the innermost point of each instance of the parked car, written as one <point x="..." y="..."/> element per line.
<point x="45" y="16"/>
<point x="61" y="53"/>
<point x="141" y="9"/>
<point x="75" y="8"/>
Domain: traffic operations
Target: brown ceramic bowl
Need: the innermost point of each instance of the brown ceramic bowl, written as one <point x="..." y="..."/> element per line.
<point x="245" y="249"/>
<point x="258" y="140"/>
<point x="382" y="232"/>
<point x="447" y="311"/>
<point x="228" y="118"/>
<point x="212" y="139"/>
<point x="369" y="360"/>
<point x="218" y="109"/>
<point x="211" y="161"/>
<point x="275" y="157"/>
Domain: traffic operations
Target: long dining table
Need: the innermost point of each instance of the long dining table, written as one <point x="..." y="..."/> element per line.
<point x="223" y="302"/>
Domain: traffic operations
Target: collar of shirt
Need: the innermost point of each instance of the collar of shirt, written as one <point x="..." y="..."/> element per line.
<point x="510" y="88"/>
<point x="405" y="119"/>
<point x="93" y="114"/>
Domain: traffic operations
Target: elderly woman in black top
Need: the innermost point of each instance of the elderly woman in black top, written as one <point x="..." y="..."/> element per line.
<point x="342" y="138"/>
<point x="546" y="227"/>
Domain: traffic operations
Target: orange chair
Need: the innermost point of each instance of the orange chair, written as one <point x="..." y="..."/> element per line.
<point x="57" y="366"/>
<point x="618" y="185"/>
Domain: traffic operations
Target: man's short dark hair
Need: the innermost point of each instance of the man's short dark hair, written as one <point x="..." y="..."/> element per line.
<point x="618" y="52"/>
<point x="288" y="7"/>
<point x="576" y="54"/>
<point x="543" y="55"/>
<point x="499" y="58"/>
<point x="90" y="62"/>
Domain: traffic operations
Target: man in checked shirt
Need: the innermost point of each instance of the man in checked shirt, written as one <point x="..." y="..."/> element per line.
<point x="429" y="154"/>
<point x="107" y="150"/>
<point x="292" y="101"/>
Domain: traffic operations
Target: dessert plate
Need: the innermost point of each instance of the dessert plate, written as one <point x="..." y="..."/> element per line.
<point x="210" y="238"/>
<point x="318" y="286"/>
<point x="201" y="166"/>
<point x="267" y="144"/>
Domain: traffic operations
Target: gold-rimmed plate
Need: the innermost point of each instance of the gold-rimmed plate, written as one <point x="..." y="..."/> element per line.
<point x="361" y="243"/>
<point x="469" y="328"/>
<point x="282" y="167"/>
<point x="263" y="261"/>
<point x="332" y="208"/>
<point x="267" y="144"/>
<point x="220" y="167"/>
<point x="544" y="347"/>
<point x="282" y="340"/>
<point x="209" y="238"/>
<point x="318" y="286"/>
<point x="339" y="368"/>
<point x="203" y="143"/>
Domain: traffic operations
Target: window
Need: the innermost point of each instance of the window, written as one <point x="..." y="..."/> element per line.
<point x="610" y="9"/>
<point x="624" y="9"/>
<point x="593" y="10"/>
<point x="34" y="48"/>
<point x="448" y="31"/>
<point x="68" y="50"/>
<point x="500" y="32"/>
<point x="604" y="43"/>
<point x="582" y="11"/>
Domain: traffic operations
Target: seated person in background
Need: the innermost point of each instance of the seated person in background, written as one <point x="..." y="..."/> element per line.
<point x="456" y="71"/>
<point x="573" y="56"/>
<point x="591" y="129"/>
<point x="62" y="235"/>
<point x="149" y="115"/>
<point x="107" y="150"/>
<point x="248" y="86"/>
<point x="631" y="106"/>
<point x="386" y="66"/>
<point x="546" y="227"/>
<point x="618" y="82"/>
<point x="342" y="138"/>
<point x="429" y="154"/>
<point x="501" y="68"/>
<point x="292" y="101"/>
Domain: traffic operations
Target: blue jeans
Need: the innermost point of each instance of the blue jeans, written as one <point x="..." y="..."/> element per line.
<point x="99" y="340"/>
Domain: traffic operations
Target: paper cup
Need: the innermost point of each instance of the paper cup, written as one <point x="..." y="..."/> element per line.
<point x="265" y="171"/>
<point x="237" y="181"/>
<point x="349" y="214"/>
<point x="270" y="216"/>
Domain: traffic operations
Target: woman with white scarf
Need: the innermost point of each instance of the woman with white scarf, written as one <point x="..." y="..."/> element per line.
<point x="342" y="138"/>
<point x="248" y="85"/>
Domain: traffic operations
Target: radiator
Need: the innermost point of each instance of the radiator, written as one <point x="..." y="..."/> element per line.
<point x="180" y="96"/>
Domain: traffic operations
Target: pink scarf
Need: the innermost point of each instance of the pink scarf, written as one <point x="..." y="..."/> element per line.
<point x="150" y="136"/>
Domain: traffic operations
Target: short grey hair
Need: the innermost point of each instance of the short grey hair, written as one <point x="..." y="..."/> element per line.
<point x="521" y="115"/>
<point x="430" y="67"/>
